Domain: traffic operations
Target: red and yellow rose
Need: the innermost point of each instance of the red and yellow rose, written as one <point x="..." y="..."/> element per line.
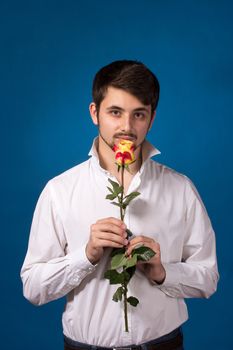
<point x="124" y="152"/>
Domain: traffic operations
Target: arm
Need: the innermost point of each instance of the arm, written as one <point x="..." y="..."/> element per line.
<point x="196" y="275"/>
<point x="49" y="272"/>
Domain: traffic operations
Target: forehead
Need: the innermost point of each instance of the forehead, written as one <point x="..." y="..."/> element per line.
<point x="121" y="98"/>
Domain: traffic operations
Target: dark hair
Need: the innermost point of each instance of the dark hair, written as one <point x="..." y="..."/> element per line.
<point x="131" y="76"/>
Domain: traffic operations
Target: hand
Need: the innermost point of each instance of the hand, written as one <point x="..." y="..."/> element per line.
<point x="108" y="232"/>
<point x="153" y="268"/>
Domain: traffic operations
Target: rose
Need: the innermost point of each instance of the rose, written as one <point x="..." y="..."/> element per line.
<point x="123" y="267"/>
<point x="124" y="153"/>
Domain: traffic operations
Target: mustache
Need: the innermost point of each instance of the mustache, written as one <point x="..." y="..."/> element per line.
<point x="122" y="135"/>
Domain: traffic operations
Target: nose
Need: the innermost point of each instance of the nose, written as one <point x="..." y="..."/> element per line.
<point x="126" y="123"/>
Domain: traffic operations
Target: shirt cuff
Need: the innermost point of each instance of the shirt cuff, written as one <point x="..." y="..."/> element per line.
<point x="171" y="284"/>
<point x="79" y="266"/>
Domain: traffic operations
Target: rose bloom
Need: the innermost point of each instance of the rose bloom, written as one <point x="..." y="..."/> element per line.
<point x="124" y="152"/>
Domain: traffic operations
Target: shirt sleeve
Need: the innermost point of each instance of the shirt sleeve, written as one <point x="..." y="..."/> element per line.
<point x="48" y="273"/>
<point x="196" y="275"/>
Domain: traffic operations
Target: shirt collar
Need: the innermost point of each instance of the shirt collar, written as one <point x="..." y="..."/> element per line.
<point x="148" y="150"/>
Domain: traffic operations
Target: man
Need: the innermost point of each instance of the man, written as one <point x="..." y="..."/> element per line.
<point x="75" y="228"/>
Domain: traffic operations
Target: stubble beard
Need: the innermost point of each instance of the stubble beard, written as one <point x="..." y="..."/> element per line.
<point x="121" y="136"/>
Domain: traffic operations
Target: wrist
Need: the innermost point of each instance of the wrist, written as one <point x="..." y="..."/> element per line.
<point x="158" y="274"/>
<point x="91" y="256"/>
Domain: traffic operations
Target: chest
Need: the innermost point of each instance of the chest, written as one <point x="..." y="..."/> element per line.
<point x="153" y="213"/>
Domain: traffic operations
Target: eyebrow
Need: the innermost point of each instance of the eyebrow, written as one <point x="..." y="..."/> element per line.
<point x="115" y="107"/>
<point x="139" y="109"/>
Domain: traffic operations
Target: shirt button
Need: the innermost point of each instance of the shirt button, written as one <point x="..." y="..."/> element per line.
<point x="75" y="279"/>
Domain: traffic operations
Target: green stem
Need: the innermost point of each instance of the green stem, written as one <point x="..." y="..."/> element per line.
<point x="124" y="284"/>
<point x="125" y="307"/>
<point x="122" y="193"/>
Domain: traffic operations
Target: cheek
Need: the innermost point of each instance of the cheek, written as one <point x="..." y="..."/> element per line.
<point x="143" y="130"/>
<point x="107" y="123"/>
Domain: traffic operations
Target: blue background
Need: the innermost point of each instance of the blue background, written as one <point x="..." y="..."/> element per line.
<point x="50" y="51"/>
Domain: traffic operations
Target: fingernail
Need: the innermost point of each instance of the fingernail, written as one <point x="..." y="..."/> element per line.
<point x="125" y="242"/>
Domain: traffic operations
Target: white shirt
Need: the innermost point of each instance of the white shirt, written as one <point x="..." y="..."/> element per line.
<point x="168" y="209"/>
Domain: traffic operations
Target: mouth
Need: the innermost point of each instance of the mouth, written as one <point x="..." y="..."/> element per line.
<point x="128" y="137"/>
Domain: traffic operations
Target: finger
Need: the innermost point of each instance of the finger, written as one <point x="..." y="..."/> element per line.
<point x="131" y="249"/>
<point x="142" y="241"/>
<point x="113" y="221"/>
<point x="139" y="241"/>
<point x="110" y="237"/>
<point x="102" y="243"/>
<point x="109" y="227"/>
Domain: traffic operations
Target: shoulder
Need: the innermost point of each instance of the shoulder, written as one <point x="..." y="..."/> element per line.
<point x="65" y="182"/>
<point x="71" y="174"/>
<point x="173" y="181"/>
<point x="164" y="173"/>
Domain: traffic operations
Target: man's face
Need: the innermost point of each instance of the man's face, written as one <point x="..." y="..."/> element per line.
<point x="122" y="116"/>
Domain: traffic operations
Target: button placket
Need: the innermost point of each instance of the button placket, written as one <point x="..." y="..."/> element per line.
<point x="134" y="184"/>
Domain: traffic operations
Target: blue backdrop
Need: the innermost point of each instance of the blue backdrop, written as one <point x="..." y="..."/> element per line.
<point x="50" y="51"/>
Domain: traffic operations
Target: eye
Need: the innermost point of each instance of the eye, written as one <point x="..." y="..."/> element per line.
<point x="115" y="112"/>
<point x="139" y="115"/>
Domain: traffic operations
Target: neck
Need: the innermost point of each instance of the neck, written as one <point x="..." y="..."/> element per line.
<point x="107" y="158"/>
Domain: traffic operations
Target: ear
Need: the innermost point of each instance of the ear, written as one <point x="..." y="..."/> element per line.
<point x="152" y="120"/>
<point x="93" y="113"/>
